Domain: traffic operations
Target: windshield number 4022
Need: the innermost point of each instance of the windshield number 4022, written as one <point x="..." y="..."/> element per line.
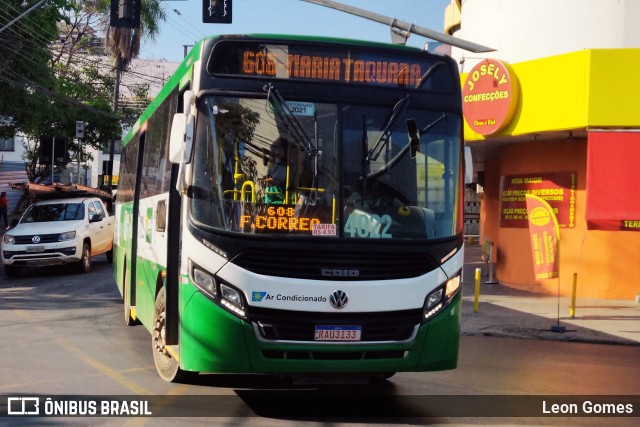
<point x="373" y="226"/>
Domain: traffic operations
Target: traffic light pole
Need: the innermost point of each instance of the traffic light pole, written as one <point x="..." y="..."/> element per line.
<point x="112" y="143"/>
<point x="53" y="156"/>
<point x="79" y="154"/>
<point x="404" y="26"/>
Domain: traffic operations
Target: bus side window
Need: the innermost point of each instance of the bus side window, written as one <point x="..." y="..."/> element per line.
<point x="161" y="216"/>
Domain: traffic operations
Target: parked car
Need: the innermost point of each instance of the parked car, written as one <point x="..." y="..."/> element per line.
<point x="59" y="231"/>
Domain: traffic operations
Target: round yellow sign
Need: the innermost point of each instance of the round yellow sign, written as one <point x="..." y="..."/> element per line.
<point x="539" y="216"/>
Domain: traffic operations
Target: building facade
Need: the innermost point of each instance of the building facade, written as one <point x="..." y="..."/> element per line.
<point x="552" y="112"/>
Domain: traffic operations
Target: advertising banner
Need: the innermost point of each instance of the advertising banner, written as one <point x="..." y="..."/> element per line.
<point x="545" y="238"/>
<point x="612" y="181"/>
<point x="557" y="189"/>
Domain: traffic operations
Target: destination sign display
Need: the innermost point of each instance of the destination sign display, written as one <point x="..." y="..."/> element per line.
<point x="279" y="218"/>
<point x="330" y="64"/>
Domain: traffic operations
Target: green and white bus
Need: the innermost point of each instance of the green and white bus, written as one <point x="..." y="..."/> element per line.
<point x="294" y="205"/>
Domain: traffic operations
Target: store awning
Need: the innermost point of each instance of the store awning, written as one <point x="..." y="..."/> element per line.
<point x="613" y="181"/>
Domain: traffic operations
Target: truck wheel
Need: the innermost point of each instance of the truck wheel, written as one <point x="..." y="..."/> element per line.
<point x="84" y="265"/>
<point x="11" y="271"/>
<point x="167" y="366"/>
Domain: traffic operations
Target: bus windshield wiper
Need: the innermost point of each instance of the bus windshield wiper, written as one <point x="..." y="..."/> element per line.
<point x="383" y="140"/>
<point x="412" y="140"/>
<point x="396" y="112"/>
<point x="293" y="125"/>
<point x="290" y="120"/>
<point x="427" y="75"/>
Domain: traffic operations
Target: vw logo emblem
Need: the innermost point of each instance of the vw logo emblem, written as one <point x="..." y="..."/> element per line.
<point x="339" y="299"/>
<point x="35" y="239"/>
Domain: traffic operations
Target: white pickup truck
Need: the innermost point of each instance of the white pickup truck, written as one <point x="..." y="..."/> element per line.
<point x="60" y="231"/>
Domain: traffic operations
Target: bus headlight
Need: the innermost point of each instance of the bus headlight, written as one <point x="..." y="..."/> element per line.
<point x="452" y="286"/>
<point x="231" y="299"/>
<point x="203" y="280"/>
<point x="221" y="293"/>
<point x="434" y="298"/>
<point x="440" y="297"/>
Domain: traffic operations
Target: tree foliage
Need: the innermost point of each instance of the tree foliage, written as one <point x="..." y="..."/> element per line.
<point x="54" y="73"/>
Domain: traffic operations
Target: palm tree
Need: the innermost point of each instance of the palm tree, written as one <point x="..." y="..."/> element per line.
<point x="124" y="46"/>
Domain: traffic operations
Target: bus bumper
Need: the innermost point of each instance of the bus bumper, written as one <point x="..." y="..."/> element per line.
<point x="219" y="342"/>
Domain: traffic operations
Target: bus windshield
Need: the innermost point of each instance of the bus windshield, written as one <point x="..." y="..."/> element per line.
<point x="303" y="168"/>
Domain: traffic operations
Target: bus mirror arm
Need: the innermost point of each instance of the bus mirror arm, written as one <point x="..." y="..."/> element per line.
<point x="188" y="138"/>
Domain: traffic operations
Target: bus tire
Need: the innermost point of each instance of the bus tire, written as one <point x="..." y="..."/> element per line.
<point x="167" y="366"/>
<point x="109" y="254"/>
<point x="381" y="377"/>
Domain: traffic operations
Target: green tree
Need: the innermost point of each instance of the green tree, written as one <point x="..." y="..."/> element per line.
<point x="51" y="77"/>
<point x="25" y="71"/>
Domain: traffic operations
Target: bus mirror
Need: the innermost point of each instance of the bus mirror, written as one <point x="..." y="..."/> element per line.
<point x="468" y="166"/>
<point x="177" y="141"/>
<point x="414" y="137"/>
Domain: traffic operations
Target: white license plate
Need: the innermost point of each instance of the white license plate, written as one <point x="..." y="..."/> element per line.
<point x="338" y="333"/>
<point x="35" y="248"/>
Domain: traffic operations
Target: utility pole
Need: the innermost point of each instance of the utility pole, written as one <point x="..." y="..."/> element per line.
<point x="79" y="136"/>
<point x="112" y="142"/>
<point x="407" y="27"/>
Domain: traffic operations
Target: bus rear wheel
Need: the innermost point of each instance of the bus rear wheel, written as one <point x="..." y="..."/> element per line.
<point x="168" y="367"/>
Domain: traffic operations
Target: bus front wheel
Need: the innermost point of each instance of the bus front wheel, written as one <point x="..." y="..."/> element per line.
<point x="167" y="365"/>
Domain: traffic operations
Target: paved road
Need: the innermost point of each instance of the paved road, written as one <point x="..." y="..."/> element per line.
<point x="63" y="334"/>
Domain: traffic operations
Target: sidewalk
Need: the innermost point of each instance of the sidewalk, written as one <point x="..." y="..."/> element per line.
<point x="507" y="312"/>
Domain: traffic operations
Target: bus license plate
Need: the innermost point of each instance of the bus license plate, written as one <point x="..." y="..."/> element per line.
<point x="35" y="248"/>
<point x="338" y="333"/>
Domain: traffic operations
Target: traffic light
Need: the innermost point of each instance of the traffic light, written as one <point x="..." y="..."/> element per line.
<point x="216" y="11"/>
<point x="125" y="13"/>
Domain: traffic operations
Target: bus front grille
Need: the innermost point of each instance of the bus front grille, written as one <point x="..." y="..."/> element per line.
<point x="281" y="325"/>
<point x="317" y="265"/>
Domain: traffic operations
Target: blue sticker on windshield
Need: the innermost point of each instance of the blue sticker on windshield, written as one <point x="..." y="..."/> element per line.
<point x="302" y="108"/>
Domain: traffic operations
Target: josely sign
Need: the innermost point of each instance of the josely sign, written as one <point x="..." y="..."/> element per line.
<point x="557" y="189"/>
<point x="489" y="96"/>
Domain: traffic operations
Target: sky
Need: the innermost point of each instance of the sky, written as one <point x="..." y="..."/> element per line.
<point x="184" y="22"/>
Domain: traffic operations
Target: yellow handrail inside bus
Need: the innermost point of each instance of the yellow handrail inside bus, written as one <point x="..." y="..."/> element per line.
<point x="252" y="188"/>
